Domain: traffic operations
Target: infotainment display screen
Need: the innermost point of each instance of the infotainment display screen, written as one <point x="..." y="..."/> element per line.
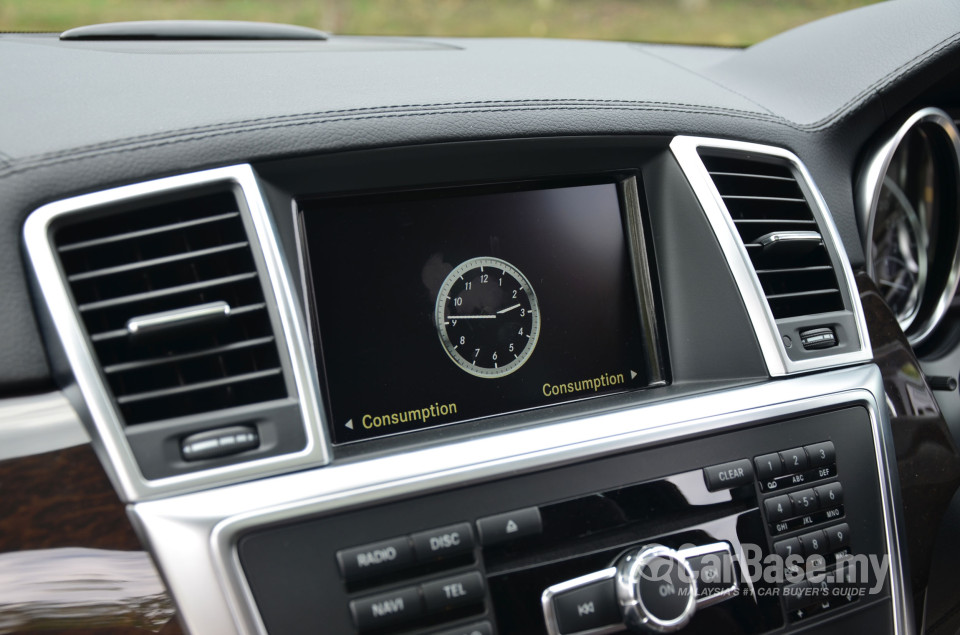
<point x="443" y="306"/>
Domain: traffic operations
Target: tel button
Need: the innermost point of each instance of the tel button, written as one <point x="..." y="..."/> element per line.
<point x="375" y="559"/>
<point x="444" y="542"/>
<point x="728" y="475"/>
<point x="449" y="593"/>
<point x="504" y="527"/>
<point x="388" y="609"/>
<point x="588" y="607"/>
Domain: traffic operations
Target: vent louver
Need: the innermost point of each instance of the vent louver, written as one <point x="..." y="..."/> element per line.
<point x="163" y="260"/>
<point x="781" y="236"/>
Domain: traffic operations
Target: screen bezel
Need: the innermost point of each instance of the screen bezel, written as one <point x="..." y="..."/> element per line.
<point x="642" y="264"/>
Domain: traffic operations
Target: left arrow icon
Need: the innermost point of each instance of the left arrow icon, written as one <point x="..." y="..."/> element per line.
<point x="349" y="424"/>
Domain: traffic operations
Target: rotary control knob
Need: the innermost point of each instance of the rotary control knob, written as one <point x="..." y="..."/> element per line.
<point x="656" y="589"/>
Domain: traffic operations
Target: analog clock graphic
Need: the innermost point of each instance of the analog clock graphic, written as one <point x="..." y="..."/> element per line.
<point x="487" y="317"/>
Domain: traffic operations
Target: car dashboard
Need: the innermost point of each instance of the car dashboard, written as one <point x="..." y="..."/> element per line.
<point x="408" y="335"/>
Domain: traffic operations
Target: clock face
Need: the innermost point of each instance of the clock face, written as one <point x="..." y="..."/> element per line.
<point x="487" y="317"/>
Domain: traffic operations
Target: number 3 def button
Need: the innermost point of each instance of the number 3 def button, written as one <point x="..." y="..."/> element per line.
<point x="504" y="527"/>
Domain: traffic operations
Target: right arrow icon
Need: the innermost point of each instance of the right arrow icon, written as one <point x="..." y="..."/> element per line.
<point x="633" y="375"/>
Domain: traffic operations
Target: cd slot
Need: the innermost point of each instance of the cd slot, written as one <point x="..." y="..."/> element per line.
<point x="615" y="518"/>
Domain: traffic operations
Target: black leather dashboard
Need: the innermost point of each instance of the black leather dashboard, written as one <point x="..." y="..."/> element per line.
<point x="142" y="111"/>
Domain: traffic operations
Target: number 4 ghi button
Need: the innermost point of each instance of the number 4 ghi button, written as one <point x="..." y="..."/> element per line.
<point x="509" y="526"/>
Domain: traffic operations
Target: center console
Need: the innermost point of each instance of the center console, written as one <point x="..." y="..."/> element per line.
<point x="687" y="536"/>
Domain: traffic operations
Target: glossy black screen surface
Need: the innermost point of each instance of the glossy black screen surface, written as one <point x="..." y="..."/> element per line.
<point x="552" y="258"/>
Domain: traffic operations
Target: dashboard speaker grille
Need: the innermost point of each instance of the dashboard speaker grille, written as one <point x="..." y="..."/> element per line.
<point x="185" y="270"/>
<point x="781" y="236"/>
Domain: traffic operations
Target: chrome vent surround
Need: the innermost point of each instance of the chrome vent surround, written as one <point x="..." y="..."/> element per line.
<point x="169" y="311"/>
<point x="780" y="234"/>
<point x="173" y="260"/>
<point x="783" y="250"/>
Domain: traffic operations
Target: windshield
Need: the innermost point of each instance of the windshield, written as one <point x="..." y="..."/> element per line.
<point x="717" y="22"/>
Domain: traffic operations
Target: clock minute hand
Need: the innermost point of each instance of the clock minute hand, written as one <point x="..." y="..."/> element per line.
<point x="472" y="317"/>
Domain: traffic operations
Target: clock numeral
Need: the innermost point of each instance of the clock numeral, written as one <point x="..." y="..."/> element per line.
<point x="484" y="277"/>
<point x="514" y="293"/>
<point x="468" y="286"/>
<point x="463" y="340"/>
<point x="457" y="301"/>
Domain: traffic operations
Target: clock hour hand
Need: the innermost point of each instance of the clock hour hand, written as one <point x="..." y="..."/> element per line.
<point x="509" y="308"/>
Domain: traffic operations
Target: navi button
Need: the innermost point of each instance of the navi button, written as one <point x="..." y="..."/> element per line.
<point x="449" y="593"/>
<point x="385" y="610"/>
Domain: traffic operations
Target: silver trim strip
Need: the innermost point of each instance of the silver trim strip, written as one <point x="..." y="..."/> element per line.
<point x="38" y="424"/>
<point x="788" y="237"/>
<point x="89" y="393"/>
<point x="164" y="319"/>
<point x="869" y="187"/>
<point x="550" y="615"/>
<point x="202" y="528"/>
<point x="771" y="345"/>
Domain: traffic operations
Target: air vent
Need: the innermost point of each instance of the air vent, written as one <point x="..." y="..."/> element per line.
<point x="779" y="232"/>
<point x="172" y="301"/>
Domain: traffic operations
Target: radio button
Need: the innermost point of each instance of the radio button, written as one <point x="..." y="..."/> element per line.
<point x="375" y="559"/>
<point x="587" y="607"/>
<point x="388" y="609"/>
<point x="505" y="527"/>
<point x="794" y="460"/>
<point x="769" y="466"/>
<point x="444" y="542"/>
<point x="449" y="593"/>
<point x="728" y="475"/>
